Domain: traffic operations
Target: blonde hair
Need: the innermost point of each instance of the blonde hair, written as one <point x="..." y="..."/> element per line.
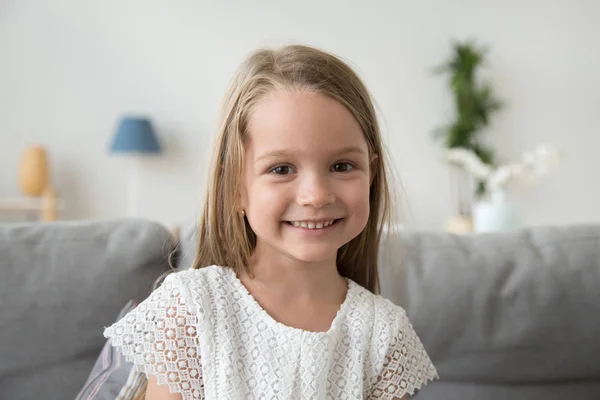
<point x="224" y="237"/>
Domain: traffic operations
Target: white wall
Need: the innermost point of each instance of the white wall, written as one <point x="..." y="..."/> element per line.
<point x="69" y="68"/>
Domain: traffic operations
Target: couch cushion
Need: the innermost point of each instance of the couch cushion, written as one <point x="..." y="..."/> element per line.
<point x="60" y="285"/>
<point x="517" y="308"/>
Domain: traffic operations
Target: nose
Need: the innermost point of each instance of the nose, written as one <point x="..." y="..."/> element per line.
<point x="315" y="191"/>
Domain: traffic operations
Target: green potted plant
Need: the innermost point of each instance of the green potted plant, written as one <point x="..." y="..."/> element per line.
<point x="474" y="106"/>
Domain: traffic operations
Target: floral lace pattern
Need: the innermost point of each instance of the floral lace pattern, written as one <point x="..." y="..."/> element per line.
<point x="205" y="336"/>
<point x="406" y="365"/>
<point x="160" y="337"/>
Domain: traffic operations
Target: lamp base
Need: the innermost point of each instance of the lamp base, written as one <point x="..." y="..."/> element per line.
<point x="134" y="186"/>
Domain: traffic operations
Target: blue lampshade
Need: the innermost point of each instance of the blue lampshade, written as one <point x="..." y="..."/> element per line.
<point x="135" y="135"/>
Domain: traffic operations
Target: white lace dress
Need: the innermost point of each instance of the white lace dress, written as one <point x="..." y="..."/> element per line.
<point x="204" y="335"/>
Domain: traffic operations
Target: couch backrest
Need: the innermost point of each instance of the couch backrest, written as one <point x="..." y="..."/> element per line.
<point x="503" y="315"/>
<point x="60" y="284"/>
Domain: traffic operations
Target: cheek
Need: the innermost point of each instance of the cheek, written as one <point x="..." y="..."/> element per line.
<point x="359" y="200"/>
<point x="267" y="199"/>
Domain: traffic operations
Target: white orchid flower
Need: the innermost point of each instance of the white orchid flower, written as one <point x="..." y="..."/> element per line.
<point x="533" y="164"/>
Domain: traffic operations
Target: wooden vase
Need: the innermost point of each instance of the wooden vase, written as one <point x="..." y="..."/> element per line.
<point x="34" y="172"/>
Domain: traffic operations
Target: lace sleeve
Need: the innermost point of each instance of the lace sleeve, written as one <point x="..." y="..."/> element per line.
<point x="406" y="365"/>
<point x="160" y="337"/>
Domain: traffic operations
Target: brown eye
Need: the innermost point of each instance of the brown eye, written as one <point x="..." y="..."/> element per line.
<point x="281" y="170"/>
<point x="342" y="167"/>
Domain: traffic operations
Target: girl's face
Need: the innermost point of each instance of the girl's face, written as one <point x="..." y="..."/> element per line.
<point x="306" y="177"/>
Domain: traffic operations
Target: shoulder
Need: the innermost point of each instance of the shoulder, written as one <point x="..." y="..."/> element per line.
<point x="389" y="314"/>
<point x="386" y="322"/>
<point x="191" y="275"/>
<point x="199" y="290"/>
<point x="385" y="313"/>
<point x="182" y="293"/>
<point x="195" y="278"/>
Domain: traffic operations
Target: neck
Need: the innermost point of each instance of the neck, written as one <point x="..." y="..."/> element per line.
<point x="291" y="278"/>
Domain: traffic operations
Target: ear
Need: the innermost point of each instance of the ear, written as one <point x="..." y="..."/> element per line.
<point x="373" y="168"/>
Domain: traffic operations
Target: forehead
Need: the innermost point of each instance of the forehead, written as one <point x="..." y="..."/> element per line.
<point x="303" y="122"/>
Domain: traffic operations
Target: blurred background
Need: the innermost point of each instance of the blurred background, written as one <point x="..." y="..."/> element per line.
<point x="71" y="70"/>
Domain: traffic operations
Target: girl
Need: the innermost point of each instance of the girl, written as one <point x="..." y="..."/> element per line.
<point x="281" y="302"/>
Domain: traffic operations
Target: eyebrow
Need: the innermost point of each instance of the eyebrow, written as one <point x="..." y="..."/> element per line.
<point x="282" y="153"/>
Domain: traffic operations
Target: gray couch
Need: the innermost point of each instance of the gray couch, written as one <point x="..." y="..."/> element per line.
<point x="503" y="316"/>
<point x="60" y="284"/>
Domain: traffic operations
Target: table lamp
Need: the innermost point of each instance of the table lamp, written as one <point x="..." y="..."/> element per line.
<point x="135" y="137"/>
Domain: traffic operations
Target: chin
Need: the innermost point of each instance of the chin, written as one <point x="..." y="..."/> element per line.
<point x="312" y="256"/>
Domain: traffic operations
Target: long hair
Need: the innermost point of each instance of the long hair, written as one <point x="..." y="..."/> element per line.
<point x="224" y="236"/>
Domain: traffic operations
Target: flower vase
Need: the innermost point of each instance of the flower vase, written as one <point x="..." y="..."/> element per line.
<point x="34" y="171"/>
<point x="496" y="214"/>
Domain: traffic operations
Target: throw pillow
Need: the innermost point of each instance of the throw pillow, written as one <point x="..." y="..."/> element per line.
<point x="112" y="376"/>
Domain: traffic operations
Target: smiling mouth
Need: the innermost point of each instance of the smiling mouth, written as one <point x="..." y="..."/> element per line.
<point x="313" y="224"/>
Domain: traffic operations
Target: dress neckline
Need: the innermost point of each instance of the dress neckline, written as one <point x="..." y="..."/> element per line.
<point x="268" y="319"/>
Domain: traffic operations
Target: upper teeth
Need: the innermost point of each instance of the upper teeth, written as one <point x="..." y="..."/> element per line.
<point x="312" y="225"/>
